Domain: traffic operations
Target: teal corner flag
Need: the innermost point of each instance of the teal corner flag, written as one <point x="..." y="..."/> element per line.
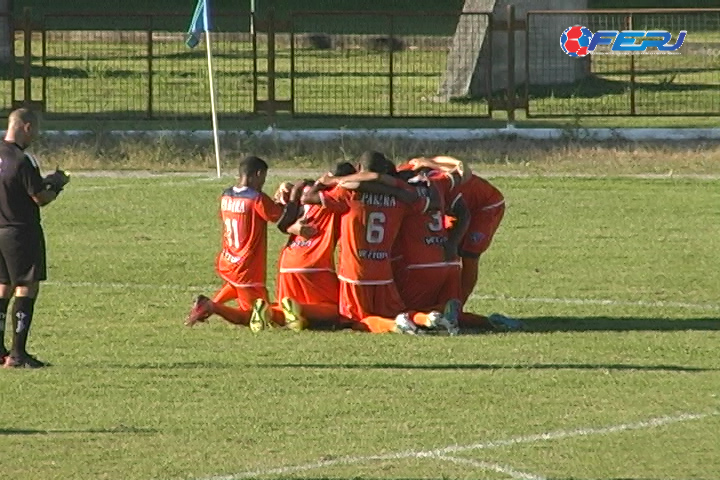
<point x="200" y="23"/>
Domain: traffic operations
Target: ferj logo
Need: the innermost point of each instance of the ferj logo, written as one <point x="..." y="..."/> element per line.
<point x="579" y="41"/>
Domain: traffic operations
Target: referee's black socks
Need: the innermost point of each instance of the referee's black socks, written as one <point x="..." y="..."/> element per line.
<point x="22" y="313"/>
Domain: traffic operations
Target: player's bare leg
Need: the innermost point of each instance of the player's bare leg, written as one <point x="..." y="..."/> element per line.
<point x="226" y="293"/>
<point x="469" y="277"/>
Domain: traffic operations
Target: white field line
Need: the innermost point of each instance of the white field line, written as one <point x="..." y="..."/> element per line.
<point x="511" y="472"/>
<point x="598" y="301"/>
<point x="134" y="286"/>
<point x="116" y="186"/>
<point x="294" y="172"/>
<point x="549" y="300"/>
<point x="524" y="439"/>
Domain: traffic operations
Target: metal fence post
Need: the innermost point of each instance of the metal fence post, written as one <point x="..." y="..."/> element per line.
<point x="253" y="37"/>
<point x="43" y="34"/>
<point x="292" y="64"/>
<point x="629" y="21"/>
<point x="271" y="62"/>
<point x="391" y="79"/>
<point x="27" y="57"/>
<point x="150" y="66"/>
<point x="511" y="64"/>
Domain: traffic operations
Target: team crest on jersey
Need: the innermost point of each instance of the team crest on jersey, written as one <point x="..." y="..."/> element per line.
<point x="476" y="237"/>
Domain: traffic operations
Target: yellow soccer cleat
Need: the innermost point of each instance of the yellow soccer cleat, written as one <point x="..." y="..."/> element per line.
<point x="294" y="319"/>
<point x="260" y="317"/>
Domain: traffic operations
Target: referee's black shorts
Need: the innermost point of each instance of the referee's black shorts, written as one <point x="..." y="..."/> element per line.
<point x="22" y="255"/>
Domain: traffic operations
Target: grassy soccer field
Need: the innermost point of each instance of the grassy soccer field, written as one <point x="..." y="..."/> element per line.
<point x="617" y="377"/>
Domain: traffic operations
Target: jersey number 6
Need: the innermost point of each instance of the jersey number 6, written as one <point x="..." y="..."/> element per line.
<point x="375" y="232"/>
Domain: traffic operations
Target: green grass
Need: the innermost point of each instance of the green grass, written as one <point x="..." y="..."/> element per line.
<point x="134" y="395"/>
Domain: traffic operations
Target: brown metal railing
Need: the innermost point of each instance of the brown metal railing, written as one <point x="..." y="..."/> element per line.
<point x="360" y="64"/>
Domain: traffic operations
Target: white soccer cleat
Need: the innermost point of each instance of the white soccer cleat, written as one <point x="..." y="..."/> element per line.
<point x="403" y="324"/>
<point x="444" y="321"/>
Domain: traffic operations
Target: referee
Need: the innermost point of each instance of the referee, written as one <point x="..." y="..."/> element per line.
<point x="22" y="243"/>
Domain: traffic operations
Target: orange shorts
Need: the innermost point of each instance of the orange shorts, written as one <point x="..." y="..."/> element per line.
<point x="429" y="288"/>
<point x="246" y="296"/>
<point x="308" y="288"/>
<point x="483" y="226"/>
<point x="361" y="301"/>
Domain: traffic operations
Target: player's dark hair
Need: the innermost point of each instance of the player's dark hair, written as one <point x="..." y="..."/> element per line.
<point x="405" y="175"/>
<point x="251" y="166"/>
<point x="23" y="116"/>
<point x="373" y="161"/>
<point x="343" y="169"/>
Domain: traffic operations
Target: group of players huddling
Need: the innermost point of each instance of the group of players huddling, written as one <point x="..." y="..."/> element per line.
<point x="409" y="242"/>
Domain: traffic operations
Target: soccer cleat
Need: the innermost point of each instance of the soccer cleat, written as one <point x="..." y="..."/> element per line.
<point x="403" y="324"/>
<point x="24" y="361"/>
<point x="502" y="323"/>
<point x="3" y="355"/>
<point x="294" y="319"/>
<point x="449" y="319"/>
<point x="201" y="310"/>
<point x="260" y="317"/>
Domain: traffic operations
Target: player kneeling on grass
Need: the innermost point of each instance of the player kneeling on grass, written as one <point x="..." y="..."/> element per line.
<point x="370" y="222"/>
<point x="245" y="211"/>
<point x="486" y="207"/>
<point x="426" y="267"/>
<point x="307" y="261"/>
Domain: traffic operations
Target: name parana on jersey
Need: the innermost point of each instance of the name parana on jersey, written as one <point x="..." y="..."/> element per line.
<point x="378" y="200"/>
<point x="233" y="205"/>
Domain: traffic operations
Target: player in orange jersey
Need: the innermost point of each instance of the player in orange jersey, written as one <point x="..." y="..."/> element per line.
<point x="307" y="261"/>
<point x="425" y="262"/>
<point x="486" y="206"/>
<point x="245" y="211"/>
<point x="369" y="226"/>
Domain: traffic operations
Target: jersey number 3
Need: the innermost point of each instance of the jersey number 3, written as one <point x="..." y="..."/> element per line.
<point x="375" y="231"/>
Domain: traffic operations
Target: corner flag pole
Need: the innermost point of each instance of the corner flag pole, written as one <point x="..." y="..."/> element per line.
<point x="213" y="101"/>
<point x="201" y="22"/>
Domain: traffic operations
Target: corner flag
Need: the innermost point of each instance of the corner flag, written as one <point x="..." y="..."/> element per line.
<point x="200" y="23"/>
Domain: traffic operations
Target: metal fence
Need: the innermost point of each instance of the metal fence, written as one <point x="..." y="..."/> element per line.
<point x="369" y="64"/>
<point x="685" y="84"/>
<point x="388" y="70"/>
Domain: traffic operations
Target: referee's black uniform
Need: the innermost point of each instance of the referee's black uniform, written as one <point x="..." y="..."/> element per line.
<point x="22" y="242"/>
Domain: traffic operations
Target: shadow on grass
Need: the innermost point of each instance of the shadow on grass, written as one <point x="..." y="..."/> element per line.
<point x="595" y="87"/>
<point x="9" y="71"/>
<point x="618" y="324"/>
<point x="412" y="366"/>
<point x="493" y="367"/>
<point x="119" y="429"/>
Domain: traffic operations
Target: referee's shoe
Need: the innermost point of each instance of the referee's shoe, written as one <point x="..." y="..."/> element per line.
<point x="25" y="361"/>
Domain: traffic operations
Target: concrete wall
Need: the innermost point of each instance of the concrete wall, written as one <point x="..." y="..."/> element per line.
<point x="469" y="58"/>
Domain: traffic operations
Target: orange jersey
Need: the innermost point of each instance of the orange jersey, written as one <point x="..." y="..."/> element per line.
<point x="315" y="254"/>
<point x="479" y="195"/>
<point x="369" y="226"/>
<point x="421" y="239"/>
<point x="245" y="213"/>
